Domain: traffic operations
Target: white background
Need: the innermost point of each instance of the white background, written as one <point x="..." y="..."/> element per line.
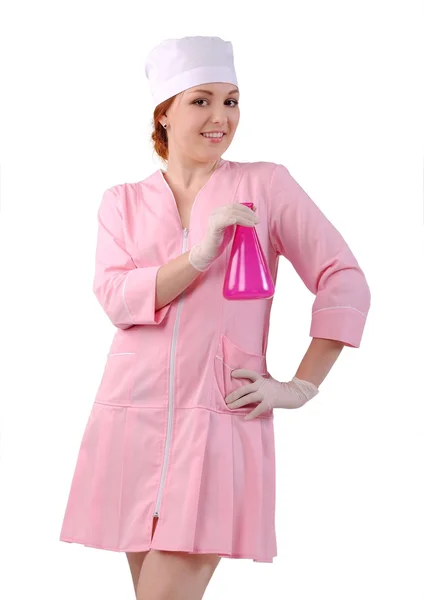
<point x="332" y="90"/>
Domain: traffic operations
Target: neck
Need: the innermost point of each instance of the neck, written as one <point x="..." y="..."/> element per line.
<point x="189" y="175"/>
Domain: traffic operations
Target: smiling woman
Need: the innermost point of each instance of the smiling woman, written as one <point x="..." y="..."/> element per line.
<point x="175" y="469"/>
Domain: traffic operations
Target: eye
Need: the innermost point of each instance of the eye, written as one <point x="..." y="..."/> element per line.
<point x="229" y="100"/>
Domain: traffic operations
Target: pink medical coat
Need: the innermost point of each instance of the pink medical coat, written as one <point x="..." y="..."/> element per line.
<point x="160" y="439"/>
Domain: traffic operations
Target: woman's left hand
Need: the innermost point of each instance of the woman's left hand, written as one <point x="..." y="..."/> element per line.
<point x="269" y="392"/>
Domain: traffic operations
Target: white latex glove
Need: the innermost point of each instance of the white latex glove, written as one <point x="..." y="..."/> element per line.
<point x="217" y="238"/>
<point x="269" y="393"/>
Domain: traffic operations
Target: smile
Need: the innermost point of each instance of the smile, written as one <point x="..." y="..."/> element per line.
<point x="214" y="137"/>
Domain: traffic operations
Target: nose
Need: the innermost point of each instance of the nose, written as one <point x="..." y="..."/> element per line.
<point x="220" y="122"/>
<point x="219" y="115"/>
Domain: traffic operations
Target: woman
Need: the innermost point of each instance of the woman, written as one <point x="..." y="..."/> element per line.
<point x="176" y="466"/>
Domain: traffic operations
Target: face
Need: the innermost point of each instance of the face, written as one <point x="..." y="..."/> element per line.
<point x="194" y="112"/>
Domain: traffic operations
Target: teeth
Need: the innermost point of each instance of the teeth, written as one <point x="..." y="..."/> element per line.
<point x="212" y="134"/>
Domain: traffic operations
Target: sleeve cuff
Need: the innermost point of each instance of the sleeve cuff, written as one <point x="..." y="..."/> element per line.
<point x="139" y="296"/>
<point x="344" y="324"/>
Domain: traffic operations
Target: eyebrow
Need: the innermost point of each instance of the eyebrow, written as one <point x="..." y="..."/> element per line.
<point x="211" y="93"/>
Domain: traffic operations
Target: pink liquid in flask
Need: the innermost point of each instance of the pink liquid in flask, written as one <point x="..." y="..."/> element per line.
<point x="247" y="276"/>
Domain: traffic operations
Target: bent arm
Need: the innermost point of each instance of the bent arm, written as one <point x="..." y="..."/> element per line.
<point x="304" y="235"/>
<point x="132" y="295"/>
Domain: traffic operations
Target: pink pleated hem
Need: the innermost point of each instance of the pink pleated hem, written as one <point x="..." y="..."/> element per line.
<point x="168" y="549"/>
<point x="218" y="495"/>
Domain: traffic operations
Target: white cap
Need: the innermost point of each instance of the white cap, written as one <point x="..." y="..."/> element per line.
<point x="176" y="65"/>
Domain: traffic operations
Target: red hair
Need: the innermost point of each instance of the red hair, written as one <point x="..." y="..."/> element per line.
<point x="159" y="134"/>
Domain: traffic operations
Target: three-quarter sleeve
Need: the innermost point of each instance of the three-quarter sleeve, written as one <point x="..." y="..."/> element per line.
<point x="301" y="233"/>
<point x="126" y="293"/>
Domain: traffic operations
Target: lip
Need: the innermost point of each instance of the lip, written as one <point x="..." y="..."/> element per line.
<point x="214" y="132"/>
<point x="214" y="140"/>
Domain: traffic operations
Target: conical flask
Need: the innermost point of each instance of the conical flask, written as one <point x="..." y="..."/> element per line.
<point x="247" y="276"/>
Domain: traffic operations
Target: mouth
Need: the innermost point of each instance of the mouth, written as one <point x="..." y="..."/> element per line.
<point x="215" y="138"/>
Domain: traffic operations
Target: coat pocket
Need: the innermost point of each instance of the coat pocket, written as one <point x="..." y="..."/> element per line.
<point x="229" y="357"/>
<point x="118" y="379"/>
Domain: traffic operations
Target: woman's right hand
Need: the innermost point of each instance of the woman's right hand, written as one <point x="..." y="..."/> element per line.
<point x="217" y="236"/>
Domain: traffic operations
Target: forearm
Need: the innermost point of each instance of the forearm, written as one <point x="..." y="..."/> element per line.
<point x="318" y="360"/>
<point x="173" y="278"/>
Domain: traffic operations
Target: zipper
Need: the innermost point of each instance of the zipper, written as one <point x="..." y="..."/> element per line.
<point x="171" y="391"/>
<point x="173" y="344"/>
